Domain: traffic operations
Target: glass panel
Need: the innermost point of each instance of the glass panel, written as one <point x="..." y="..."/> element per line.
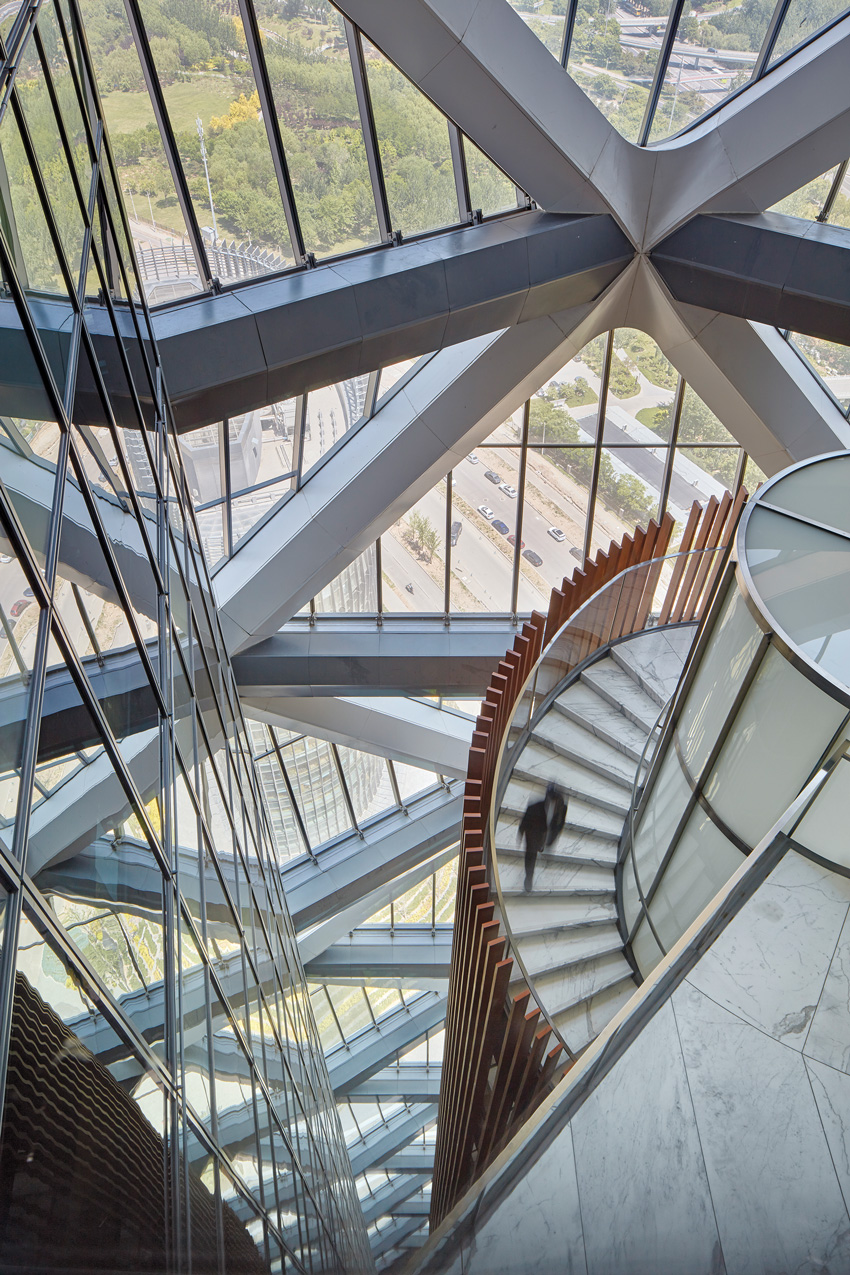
<point x="645" y="950"/>
<point x="166" y="263"/>
<point x="314" y="96"/>
<point x="352" y="1011"/>
<point x="803" y="19"/>
<point x="818" y="492"/>
<point x="390" y="376"/>
<point x="412" y="780"/>
<point x="44" y="135"/>
<point x="808" y="200"/>
<point x="312" y="773"/>
<point x="19" y="616"/>
<point x="413" y="554"/>
<point x="330" y="413"/>
<point x="830" y="361"/>
<point x="802" y="575"/>
<point x="445" y="889"/>
<point x="614" y="63"/>
<point x="734" y="641"/>
<point x="698" y="474"/>
<point x="712" y="56"/>
<point x="840" y="212"/>
<point x="221" y="139"/>
<point x="823" y="830"/>
<point x="36" y="261"/>
<point x="413" y="138"/>
<point x="489" y="188"/>
<point x="783" y="727"/>
<point x="630" y="482"/>
<point x="355" y="589"/>
<point x="545" y="20"/>
<point x="368" y="782"/>
<point x="667" y="803"/>
<point x="702" y="864"/>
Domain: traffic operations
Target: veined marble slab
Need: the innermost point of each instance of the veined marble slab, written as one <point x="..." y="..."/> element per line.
<point x="537" y="1229"/>
<point x="832" y="1095"/>
<point x="829" y="1034"/>
<point x="656" y="659"/>
<point x="645" y="1202"/>
<point x="770" y="964"/>
<point x="776" y="1197"/>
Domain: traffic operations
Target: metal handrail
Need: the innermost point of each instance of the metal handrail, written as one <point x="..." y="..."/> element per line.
<point x="535" y="698"/>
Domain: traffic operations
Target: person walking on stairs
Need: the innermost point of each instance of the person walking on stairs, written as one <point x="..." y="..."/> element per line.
<point x="541" y="825"/>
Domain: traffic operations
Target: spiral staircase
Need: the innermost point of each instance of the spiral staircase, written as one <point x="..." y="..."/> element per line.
<point x="564" y="933"/>
<point x="537" y="976"/>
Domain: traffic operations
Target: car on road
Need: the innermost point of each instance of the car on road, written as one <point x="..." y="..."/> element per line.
<point x="472" y="458"/>
<point x="486" y="512"/>
<point x="4" y="558"/>
<point x="512" y="541"/>
<point x="501" y="527"/>
<point x="532" y="557"/>
<point x="20" y="606"/>
<point x="492" y="476"/>
<point x="509" y="490"/>
<point x="577" y="553"/>
<point x="457" y="528"/>
<point x="557" y="534"/>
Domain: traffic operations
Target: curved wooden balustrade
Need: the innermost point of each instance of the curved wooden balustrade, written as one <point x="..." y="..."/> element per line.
<point x="501" y="1056"/>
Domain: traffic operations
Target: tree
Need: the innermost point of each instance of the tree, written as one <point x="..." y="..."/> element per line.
<point x="422" y="535"/>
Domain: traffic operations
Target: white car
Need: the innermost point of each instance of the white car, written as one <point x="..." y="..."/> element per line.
<point x="509" y="490"/>
<point x="486" y="513"/>
<point x="472" y="458"/>
<point x="557" y="534"/>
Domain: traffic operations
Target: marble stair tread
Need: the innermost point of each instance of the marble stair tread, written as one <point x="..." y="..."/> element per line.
<point x="537" y="762"/>
<point x="582" y="1023"/>
<point x="587" y="708"/>
<point x="575" y="986"/>
<point x="527" y="913"/>
<point x="582" y="816"/>
<point x="655" y="660"/>
<point x="555" y="949"/>
<point x="610" y="681"/>
<point x="569" y="848"/>
<point x="554" y="877"/>
<point x="577" y="743"/>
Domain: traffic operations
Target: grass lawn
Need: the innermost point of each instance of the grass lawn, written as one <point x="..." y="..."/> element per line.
<point x="646" y="416"/>
<point x="204" y="95"/>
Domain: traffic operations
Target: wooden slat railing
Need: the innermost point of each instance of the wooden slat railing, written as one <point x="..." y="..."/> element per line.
<point x="501" y="1057"/>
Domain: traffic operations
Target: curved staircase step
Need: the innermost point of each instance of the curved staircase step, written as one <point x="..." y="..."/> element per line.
<point x="551" y="877"/>
<point x="529" y="913"/>
<point x="570" y="989"/>
<point x="576" y="743"/>
<point x="571" y="847"/>
<point x="613" y="684"/>
<point x="584" y="706"/>
<point x="557" y="949"/>
<point x="542" y="764"/>
<point x="582" y="1023"/>
<point x="654" y="659"/>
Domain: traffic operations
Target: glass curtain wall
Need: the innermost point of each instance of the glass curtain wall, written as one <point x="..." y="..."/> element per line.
<point x="654" y="67"/>
<point x="253" y="138"/>
<point x="317" y="791"/>
<point x="614" y="439"/>
<point x="153" y="1009"/>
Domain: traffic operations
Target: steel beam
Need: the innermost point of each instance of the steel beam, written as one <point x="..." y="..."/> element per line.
<point x="416" y="656"/>
<point x="386" y="1140"/>
<point x="383" y="956"/>
<point x="411" y="1082"/>
<point x="264" y="341"/>
<point x="403" y="729"/>
<point x="379" y="1045"/>
<point x="768" y="268"/>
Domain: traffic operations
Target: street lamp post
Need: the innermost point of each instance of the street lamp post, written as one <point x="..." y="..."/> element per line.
<point x="207" y="175"/>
